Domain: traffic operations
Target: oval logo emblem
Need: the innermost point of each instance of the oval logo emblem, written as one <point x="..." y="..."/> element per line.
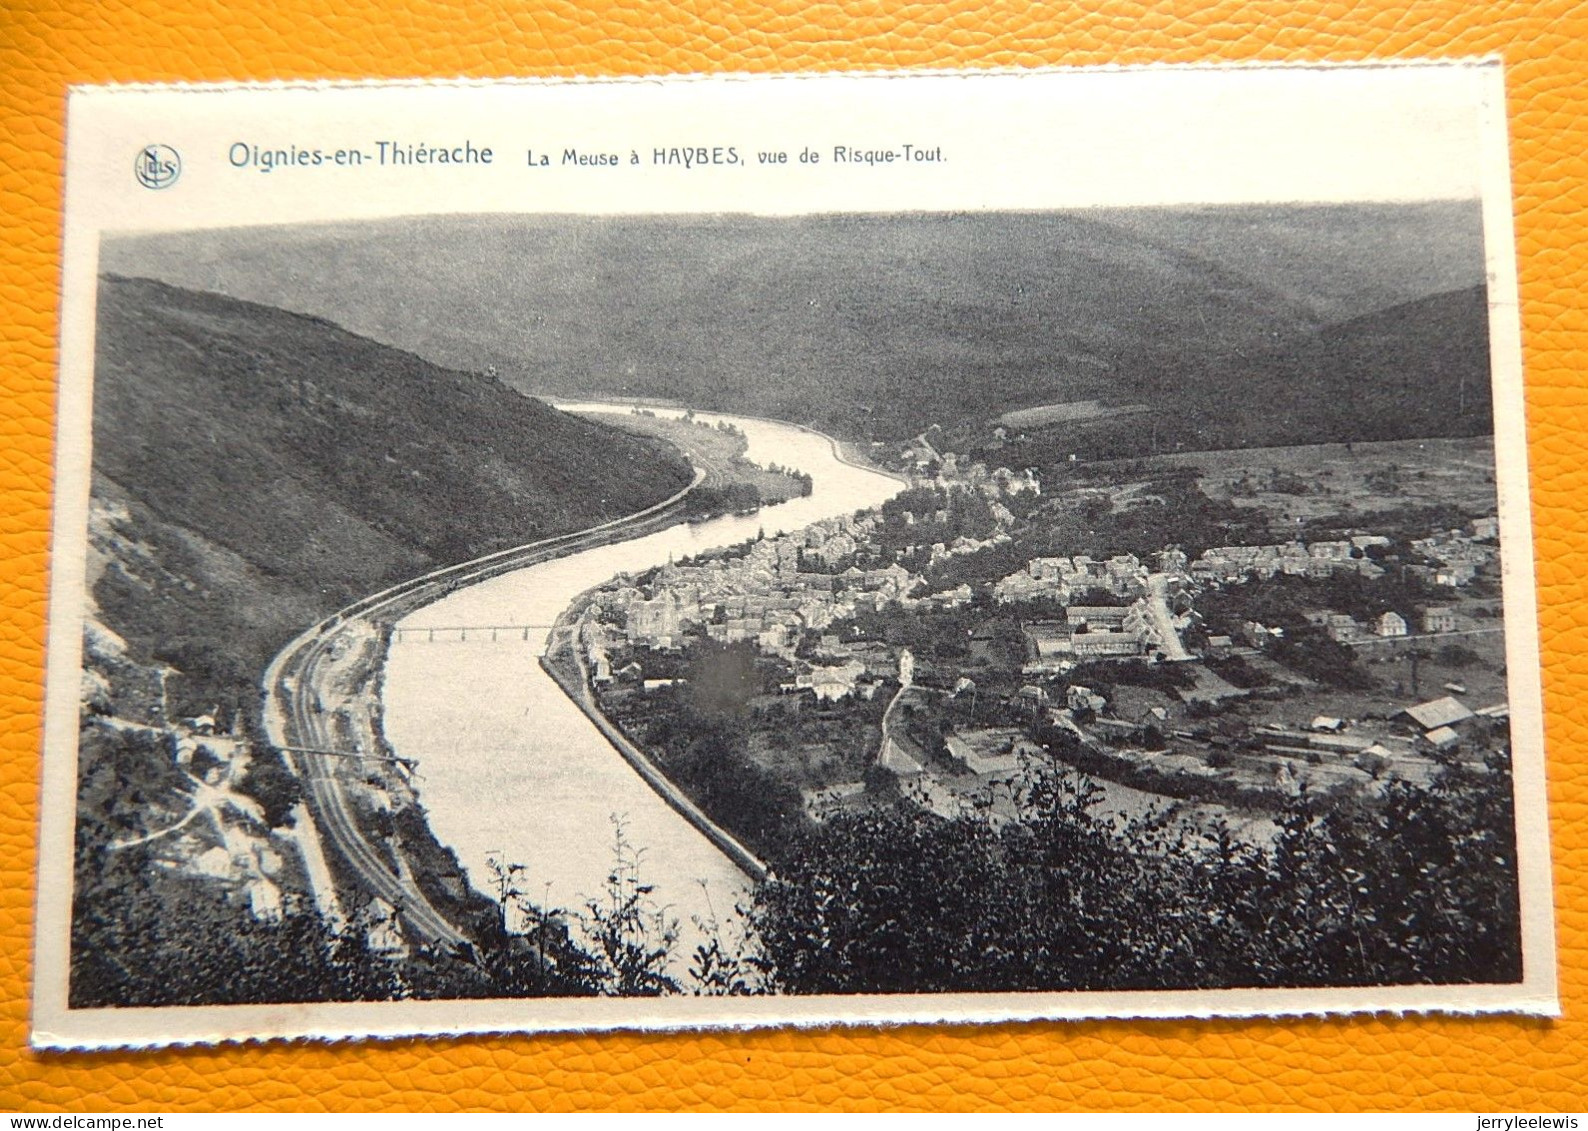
<point x="157" y="166"/>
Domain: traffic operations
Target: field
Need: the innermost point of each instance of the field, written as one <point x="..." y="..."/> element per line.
<point x="1066" y="412"/>
<point x="1315" y="481"/>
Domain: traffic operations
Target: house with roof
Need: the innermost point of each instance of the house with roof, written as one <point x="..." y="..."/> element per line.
<point x="1097" y="617"/>
<point x="1046" y="641"/>
<point x="1082" y="698"/>
<point x="382" y="933"/>
<point x="1205" y="570"/>
<point x="1337" y="550"/>
<point x="1100" y="644"/>
<point x="831" y="682"/>
<point x="1255" y="633"/>
<point x="1446" y="711"/>
<point x="1390" y="624"/>
<point x="1339" y="626"/>
<point x="1172" y="560"/>
<point x="996" y="761"/>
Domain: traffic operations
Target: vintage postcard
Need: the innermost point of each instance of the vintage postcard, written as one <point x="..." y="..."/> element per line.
<point x="805" y="550"/>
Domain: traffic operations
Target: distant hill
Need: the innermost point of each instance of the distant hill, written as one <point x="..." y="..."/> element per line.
<point x="864" y="324"/>
<point x="1340" y="261"/>
<point x="267" y="467"/>
<point x="1417" y="369"/>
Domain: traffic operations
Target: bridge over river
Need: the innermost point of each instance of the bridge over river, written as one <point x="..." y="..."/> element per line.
<point x="430" y="634"/>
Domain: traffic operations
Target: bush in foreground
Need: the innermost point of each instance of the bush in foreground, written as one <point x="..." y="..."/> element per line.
<point x="1415" y="886"/>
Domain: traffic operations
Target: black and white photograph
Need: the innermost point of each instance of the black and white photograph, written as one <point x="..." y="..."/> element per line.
<point x="898" y="601"/>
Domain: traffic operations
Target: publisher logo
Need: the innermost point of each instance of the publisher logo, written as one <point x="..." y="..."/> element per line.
<point x="157" y="166"/>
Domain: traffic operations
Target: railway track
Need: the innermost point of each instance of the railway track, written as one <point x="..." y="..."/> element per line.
<point x="296" y="723"/>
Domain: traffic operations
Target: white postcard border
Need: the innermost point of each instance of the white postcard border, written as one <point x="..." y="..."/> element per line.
<point x="95" y="111"/>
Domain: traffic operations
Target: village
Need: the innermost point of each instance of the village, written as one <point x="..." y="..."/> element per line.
<point x="888" y="655"/>
<point x="1222" y="679"/>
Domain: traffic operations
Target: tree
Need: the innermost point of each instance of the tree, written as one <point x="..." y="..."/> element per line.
<point x="727" y="963"/>
<point x="146" y="935"/>
<point x="1415" y="886"/>
<point x="633" y="937"/>
<point x="268" y="781"/>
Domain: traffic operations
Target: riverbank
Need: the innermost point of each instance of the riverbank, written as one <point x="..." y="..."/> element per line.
<point x="515" y="769"/>
<point x="561" y="662"/>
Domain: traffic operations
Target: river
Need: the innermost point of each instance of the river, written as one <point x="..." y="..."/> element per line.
<point x="510" y="767"/>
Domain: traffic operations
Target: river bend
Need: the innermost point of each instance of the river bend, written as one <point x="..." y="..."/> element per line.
<point x="510" y="766"/>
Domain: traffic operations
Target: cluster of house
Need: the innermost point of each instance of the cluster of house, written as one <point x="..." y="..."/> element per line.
<point x="1433" y="620"/>
<point x="1294" y="559"/>
<point x="1442" y="723"/>
<point x="1123" y="575"/>
<point x="832" y="682"/>
<point x="763" y="596"/>
<point x="1460" y="553"/>
<point x="965" y="545"/>
<point x="833" y="540"/>
<point x="1347" y="629"/>
<point x="1088" y="632"/>
<point x="928" y="469"/>
<point x="948" y="489"/>
<point x="1437" y="725"/>
<point x="856" y="669"/>
<point x="839" y="669"/>
<point x="770" y="596"/>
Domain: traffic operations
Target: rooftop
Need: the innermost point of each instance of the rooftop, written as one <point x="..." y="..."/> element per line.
<point x="1439" y="713"/>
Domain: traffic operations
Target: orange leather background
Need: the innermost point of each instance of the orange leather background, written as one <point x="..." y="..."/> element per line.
<point x="1378" y="1062"/>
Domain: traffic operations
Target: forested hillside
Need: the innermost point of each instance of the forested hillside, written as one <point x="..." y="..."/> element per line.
<point x="258" y="469"/>
<point x="1419" y="369"/>
<point x="253" y="471"/>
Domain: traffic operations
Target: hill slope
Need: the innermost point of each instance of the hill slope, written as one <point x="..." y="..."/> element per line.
<point x="1418" y="369"/>
<point x="864" y="324"/>
<point x="254" y="466"/>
